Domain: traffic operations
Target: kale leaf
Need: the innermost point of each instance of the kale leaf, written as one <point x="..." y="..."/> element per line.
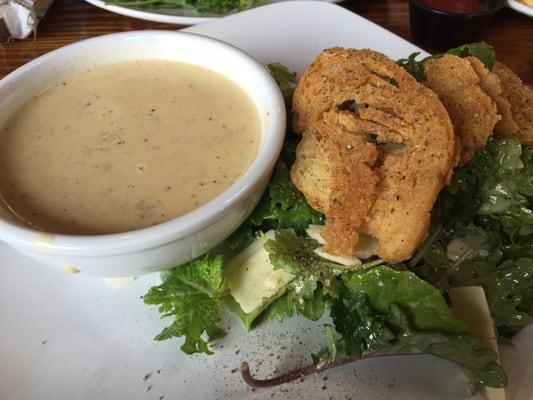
<point x="482" y="51"/>
<point x="383" y="311"/>
<point x="286" y="80"/>
<point x="413" y="66"/>
<point x="193" y="295"/>
<point x="483" y="233"/>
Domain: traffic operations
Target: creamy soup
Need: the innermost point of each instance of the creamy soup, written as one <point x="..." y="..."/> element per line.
<point x="126" y="146"/>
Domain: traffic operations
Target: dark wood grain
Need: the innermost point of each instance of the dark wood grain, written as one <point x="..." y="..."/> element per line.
<point x="69" y="21"/>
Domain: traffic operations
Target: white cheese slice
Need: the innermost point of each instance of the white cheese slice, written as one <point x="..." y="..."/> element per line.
<point x="344" y="260"/>
<point x="315" y="232"/>
<point x="366" y="247"/>
<point x="253" y="281"/>
<point x="458" y="248"/>
<point x="470" y="305"/>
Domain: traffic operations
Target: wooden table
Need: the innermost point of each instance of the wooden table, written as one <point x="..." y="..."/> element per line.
<point x="69" y="21"/>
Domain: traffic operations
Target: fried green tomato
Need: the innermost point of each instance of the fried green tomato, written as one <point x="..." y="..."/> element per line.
<point x="377" y="147"/>
<point x="473" y="112"/>
<point x="520" y="96"/>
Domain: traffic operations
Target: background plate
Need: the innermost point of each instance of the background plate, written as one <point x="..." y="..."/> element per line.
<point x="73" y="337"/>
<point x="177" y="16"/>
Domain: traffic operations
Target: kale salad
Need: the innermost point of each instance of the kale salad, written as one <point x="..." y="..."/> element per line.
<point x="481" y="235"/>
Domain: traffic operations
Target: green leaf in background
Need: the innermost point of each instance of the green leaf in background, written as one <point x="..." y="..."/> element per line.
<point x="482" y="51"/>
<point x="192" y="295"/>
<point x="286" y="80"/>
<point x="413" y="66"/>
<point x="218" y="7"/>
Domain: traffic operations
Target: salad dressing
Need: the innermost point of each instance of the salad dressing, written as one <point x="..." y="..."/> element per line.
<point x="126" y="146"/>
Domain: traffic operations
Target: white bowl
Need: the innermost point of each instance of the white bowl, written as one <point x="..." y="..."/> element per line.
<point x="181" y="239"/>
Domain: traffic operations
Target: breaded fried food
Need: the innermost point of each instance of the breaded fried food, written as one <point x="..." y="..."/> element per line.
<point x="376" y="150"/>
<point x="339" y="168"/>
<point x="473" y="112"/>
<point x="490" y="83"/>
<point x="520" y="96"/>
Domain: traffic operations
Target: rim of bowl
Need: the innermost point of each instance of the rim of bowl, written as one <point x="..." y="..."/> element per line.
<point x="492" y="10"/>
<point x="189" y="223"/>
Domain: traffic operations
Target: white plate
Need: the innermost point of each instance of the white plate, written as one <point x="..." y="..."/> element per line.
<point x="72" y="337"/>
<point x="520" y="7"/>
<point x="169" y="16"/>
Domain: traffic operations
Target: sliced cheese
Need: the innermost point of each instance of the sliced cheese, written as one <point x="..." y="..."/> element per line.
<point x="366" y="247"/>
<point x="343" y="260"/>
<point x="253" y="281"/>
<point x="459" y="247"/>
<point x="470" y="305"/>
<point x="315" y="232"/>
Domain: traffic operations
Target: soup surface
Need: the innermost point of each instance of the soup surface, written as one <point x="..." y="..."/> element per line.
<point x="126" y="146"/>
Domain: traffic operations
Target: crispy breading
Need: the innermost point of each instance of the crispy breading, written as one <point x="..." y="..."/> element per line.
<point x="335" y="163"/>
<point x="520" y="96"/>
<point x="490" y="83"/>
<point x="472" y="111"/>
<point x="377" y="148"/>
